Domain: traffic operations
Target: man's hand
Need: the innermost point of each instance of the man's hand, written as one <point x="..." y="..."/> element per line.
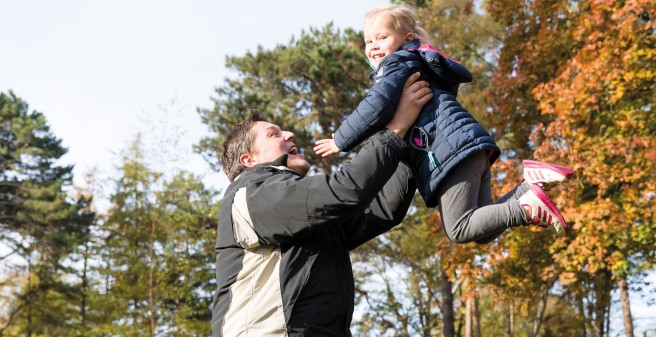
<point x="325" y="147"/>
<point x="415" y="95"/>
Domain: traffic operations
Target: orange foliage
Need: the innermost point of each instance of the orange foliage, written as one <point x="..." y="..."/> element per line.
<point x="579" y="84"/>
<point x="602" y="102"/>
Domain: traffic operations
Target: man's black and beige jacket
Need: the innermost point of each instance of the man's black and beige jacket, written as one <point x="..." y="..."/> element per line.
<point x="282" y="266"/>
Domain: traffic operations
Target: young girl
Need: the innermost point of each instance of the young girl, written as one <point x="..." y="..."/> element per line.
<point x="452" y="151"/>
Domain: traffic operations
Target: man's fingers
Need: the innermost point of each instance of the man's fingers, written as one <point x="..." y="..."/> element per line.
<point x="411" y="80"/>
<point x="425" y="95"/>
<point x="415" y="86"/>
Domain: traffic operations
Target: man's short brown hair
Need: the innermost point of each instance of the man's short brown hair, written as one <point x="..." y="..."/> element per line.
<point x="238" y="142"/>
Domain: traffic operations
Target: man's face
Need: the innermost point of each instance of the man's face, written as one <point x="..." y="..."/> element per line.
<point x="269" y="143"/>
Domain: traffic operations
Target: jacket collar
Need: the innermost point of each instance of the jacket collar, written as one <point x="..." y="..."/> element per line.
<point x="279" y="163"/>
<point x="412" y="44"/>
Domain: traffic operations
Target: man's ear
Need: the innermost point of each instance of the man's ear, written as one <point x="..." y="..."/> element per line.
<point x="247" y="160"/>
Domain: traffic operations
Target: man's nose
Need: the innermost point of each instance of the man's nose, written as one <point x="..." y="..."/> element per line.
<point x="288" y="136"/>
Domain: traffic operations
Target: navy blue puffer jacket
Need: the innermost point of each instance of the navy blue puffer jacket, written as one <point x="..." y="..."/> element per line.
<point x="444" y="134"/>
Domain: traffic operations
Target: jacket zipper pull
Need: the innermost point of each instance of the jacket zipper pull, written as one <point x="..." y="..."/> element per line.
<point x="433" y="163"/>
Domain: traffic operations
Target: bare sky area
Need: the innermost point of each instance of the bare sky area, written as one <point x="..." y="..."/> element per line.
<point x="103" y="71"/>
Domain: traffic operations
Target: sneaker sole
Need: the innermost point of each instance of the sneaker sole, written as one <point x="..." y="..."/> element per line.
<point x="562" y="170"/>
<point x="552" y="208"/>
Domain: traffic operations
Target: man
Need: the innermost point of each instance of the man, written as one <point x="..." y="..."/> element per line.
<point x="283" y="267"/>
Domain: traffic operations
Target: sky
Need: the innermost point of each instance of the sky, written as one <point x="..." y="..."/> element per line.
<point x="104" y="71"/>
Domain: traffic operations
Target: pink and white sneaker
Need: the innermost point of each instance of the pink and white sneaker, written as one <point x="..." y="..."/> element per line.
<point x="542" y="211"/>
<point x="545" y="175"/>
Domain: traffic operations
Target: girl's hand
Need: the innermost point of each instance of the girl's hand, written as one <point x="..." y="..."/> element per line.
<point x="325" y="147"/>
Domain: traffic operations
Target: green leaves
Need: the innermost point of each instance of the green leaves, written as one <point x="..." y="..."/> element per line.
<point x="158" y="252"/>
<point x="37" y="219"/>
<point x="306" y="86"/>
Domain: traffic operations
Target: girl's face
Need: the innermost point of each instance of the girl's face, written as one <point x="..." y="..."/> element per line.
<point x="381" y="39"/>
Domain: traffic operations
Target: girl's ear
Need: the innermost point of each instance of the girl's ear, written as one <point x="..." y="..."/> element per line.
<point x="409" y="37"/>
<point x="247" y="160"/>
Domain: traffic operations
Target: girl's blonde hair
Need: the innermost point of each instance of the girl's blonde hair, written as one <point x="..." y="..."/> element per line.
<point x="403" y="19"/>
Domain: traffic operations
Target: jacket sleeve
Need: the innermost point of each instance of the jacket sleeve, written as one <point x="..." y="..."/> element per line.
<point x="387" y="210"/>
<point x="285" y="208"/>
<point x="377" y="109"/>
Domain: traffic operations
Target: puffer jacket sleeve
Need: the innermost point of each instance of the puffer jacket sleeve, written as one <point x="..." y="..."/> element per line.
<point x="284" y="208"/>
<point x="377" y="109"/>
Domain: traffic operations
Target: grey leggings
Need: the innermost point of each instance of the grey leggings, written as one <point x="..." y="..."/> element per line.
<point x="466" y="205"/>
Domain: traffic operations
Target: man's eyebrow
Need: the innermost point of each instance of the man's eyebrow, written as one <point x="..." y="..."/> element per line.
<point x="273" y="128"/>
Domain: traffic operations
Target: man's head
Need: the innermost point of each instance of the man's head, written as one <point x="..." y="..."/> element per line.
<point x="255" y="141"/>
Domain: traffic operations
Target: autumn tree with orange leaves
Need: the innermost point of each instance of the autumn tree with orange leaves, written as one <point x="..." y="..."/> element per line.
<point x="576" y="86"/>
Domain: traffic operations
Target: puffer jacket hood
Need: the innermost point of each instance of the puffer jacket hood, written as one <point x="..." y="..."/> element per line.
<point x="446" y="73"/>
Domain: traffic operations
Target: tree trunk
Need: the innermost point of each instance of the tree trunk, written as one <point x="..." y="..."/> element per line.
<point x="626" y="307"/>
<point x="177" y="319"/>
<point x="510" y="319"/>
<point x="472" y="319"/>
<point x="28" y="299"/>
<point x="448" y="327"/>
<point x="476" y="318"/>
<point x="583" y="332"/>
<point x="602" y="301"/>
<point x="151" y="296"/>
<point x="85" y="286"/>
<point x="537" y="320"/>
<point x="468" y="316"/>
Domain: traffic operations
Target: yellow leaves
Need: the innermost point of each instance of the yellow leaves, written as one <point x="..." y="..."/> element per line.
<point x="567" y="278"/>
<point x="617" y="261"/>
<point x="596" y="117"/>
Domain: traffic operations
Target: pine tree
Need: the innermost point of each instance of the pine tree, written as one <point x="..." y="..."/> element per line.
<point x="157" y="267"/>
<point x="306" y="87"/>
<point x="128" y="259"/>
<point x="39" y="223"/>
<point x="188" y="213"/>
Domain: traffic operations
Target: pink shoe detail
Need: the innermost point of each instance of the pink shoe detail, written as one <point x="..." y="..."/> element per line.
<point x="542" y="211"/>
<point x="545" y="175"/>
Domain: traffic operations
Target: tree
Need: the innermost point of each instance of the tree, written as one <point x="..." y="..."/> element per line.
<point x="39" y="224"/>
<point x="306" y="87"/>
<point x="463" y="32"/>
<point x="129" y="259"/>
<point x="604" y="126"/>
<point x="398" y="280"/>
<point x="157" y="270"/>
<point x="575" y="85"/>
<point x="188" y="213"/>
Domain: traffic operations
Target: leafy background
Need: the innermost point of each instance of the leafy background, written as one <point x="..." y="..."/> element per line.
<point x="571" y="82"/>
